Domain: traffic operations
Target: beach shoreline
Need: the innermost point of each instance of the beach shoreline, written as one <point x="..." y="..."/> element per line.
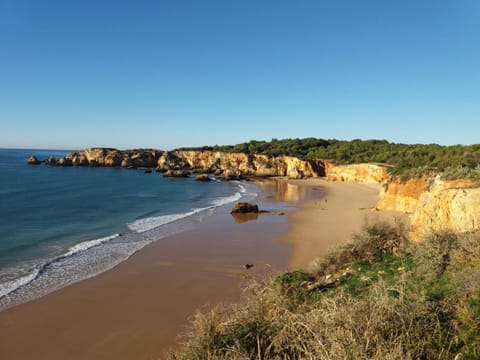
<point x="138" y="309"/>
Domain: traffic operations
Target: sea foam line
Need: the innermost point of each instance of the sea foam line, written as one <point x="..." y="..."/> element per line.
<point x="149" y="223"/>
<point x="87" y="245"/>
<point x="12" y="285"/>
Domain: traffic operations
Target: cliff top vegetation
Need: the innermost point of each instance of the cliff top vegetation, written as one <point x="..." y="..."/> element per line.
<point x="456" y="160"/>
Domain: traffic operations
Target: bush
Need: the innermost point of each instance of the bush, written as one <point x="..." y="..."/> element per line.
<point x="422" y="301"/>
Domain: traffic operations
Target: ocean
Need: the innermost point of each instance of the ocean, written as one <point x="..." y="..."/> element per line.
<point x="59" y="225"/>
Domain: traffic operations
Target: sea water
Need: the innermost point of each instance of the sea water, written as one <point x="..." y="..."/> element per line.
<point x="59" y="225"/>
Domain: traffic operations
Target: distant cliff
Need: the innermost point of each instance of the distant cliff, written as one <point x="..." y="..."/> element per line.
<point x="432" y="203"/>
<point x="224" y="165"/>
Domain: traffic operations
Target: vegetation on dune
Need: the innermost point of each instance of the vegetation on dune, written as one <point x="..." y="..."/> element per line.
<point x="457" y="160"/>
<point x="378" y="297"/>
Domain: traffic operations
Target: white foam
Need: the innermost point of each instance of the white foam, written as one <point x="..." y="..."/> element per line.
<point x="12" y="285"/>
<point x="226" y="200"/>
<point x="88" y="244"/>
<point x="150" y="223"/>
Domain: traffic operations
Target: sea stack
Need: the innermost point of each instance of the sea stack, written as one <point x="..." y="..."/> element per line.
<point x="32" y="160"/>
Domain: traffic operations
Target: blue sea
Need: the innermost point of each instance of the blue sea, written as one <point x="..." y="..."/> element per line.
<point x="59" y="225"/>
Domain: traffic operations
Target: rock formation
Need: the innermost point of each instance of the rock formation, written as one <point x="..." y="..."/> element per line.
<point x="202" y="177"/>
<point x="435" y="204"/>
<point x="229" y="166"/>
<point x="176" y="173"/>
<point x="244" y="207"/>
<point x="358" y="173"/>
<point x="32" y="160"/>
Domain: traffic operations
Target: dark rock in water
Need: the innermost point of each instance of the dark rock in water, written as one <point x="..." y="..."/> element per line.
<point x="202" y="177"/>
<point x="51" y="161"/>
<point x="244" y="207"/>
<point x="32" y="160"/>
<point x="64" y="162"/>
<point x="93" y="163"/>
<point x="231" y="175"/>
<point x="248" y="266"/>
<point x="148" y="171"/>
<point x="176" y="173"/>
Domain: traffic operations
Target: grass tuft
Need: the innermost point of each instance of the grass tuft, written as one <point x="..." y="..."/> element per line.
<point x="378" y="297"/>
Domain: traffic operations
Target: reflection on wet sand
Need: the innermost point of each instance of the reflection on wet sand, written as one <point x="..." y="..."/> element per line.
<point x="281" y="190"/>
<point x="244" y="217"/>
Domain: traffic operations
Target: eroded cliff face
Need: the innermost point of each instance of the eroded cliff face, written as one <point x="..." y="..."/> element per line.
<point x="435" y="204"/>
<point x="358" y="173"/>
<point x="403" y="196"/>
<point x="238" y="164"/>
<point x="226" y="165"/>
<point x="432" y="204"/>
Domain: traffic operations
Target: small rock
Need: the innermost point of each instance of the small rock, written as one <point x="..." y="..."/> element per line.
<point x="176" y="173"/>
<point x="32" y="160"/>
<point x="64" y="162"/>
<point x="51" y="161"/>
<point x="248" y="266"/>
<point x="244" y="207"/>
<point x="202" y="177"/>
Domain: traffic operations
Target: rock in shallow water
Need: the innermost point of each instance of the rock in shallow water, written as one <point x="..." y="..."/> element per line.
<point x="176" y="173"/>
<point x="244" y="207"/>
<point x="202" y="177"/>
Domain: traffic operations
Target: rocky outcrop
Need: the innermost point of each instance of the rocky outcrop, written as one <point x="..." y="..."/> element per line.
<point x="403" y="195"/>
<point x="202" y="177"/>
<point x="435" y="204"/>
<point x="65" y="161"/>
<point x="176" y="173"/>
<point x="244" y="208"/>
<point x="432" y="204"/>
<point x="32" y="160"/>
<point x="358" y="173"/>
<point x="229" y="166"/>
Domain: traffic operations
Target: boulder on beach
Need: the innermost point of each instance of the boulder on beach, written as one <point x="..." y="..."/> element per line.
<point x="244" y="207"/>
<point x="32" y="160"/>
<point x="176" y="173"/>
<point x="202" y="177"/>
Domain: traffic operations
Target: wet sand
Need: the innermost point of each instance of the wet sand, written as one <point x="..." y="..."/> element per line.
<point x="137" y="309"/>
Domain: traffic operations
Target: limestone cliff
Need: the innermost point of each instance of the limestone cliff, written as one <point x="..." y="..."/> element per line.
<point x="358" y="173"/>
<point x="435" y="204"/>
<point x="432" y="203"/>
<point x="226" y="165"/>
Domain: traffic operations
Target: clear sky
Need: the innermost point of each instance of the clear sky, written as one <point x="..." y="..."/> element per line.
<point x="163" y="74"/>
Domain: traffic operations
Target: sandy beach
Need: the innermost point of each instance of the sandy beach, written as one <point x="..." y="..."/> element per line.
<point x="320" y="224"/>
<point x="137" y="309"/>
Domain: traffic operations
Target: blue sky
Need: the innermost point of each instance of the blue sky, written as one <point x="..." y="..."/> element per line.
<point x="164" y="74"/>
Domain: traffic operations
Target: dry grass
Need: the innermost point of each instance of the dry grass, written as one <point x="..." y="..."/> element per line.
<point x="430" y="310"/>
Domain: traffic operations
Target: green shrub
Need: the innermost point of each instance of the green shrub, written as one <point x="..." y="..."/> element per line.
<point x="390" y="301"/>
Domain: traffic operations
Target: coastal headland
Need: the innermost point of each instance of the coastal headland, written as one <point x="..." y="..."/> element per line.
<point x="137" y="309"/>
